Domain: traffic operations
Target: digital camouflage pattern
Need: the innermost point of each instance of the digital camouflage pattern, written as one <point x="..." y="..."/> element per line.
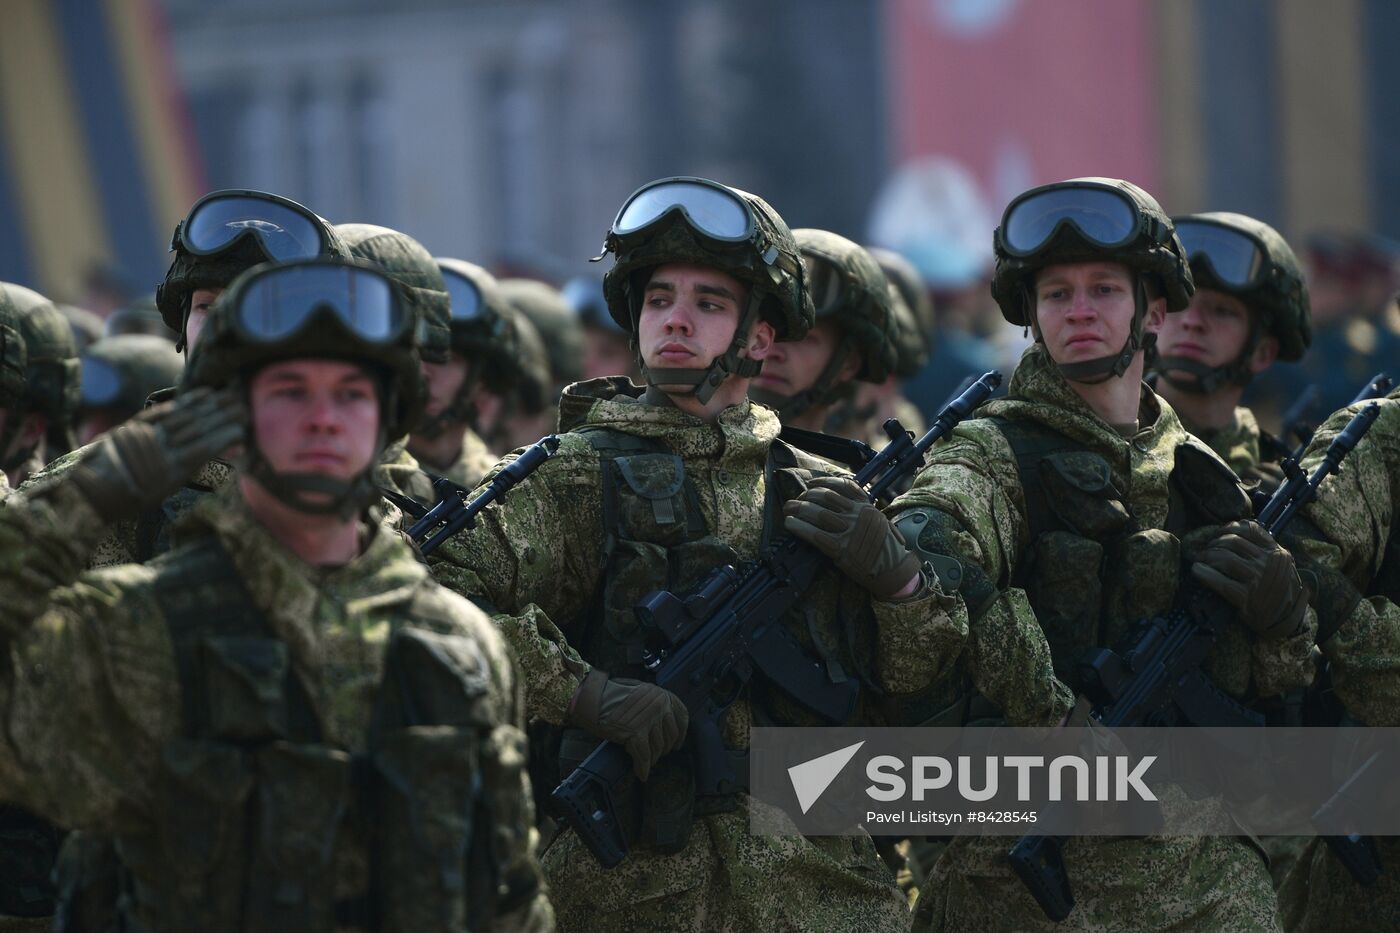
<point x="92" y="697"/>
<point x="971" y="490"/>
<point x="538" y="558"/>
<point x="1353" y="533"/>
<point x="1239" y="446"/>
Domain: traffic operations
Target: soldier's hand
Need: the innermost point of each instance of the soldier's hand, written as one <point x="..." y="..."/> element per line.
<point x="649" y="721"/>
<point x="138" y="464"/>
<point x="1254" y="574"/>
<point x="835" y="516"/>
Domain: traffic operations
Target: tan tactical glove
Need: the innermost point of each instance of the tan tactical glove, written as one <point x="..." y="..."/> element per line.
<point x="137" y="465"/>
<point x="835" y="516"/>
<point x="647" y="720"/>
<point x="1253" y="573"/>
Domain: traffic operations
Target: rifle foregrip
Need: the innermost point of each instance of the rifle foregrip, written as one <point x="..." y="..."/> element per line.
<point x="1039" y="861"/>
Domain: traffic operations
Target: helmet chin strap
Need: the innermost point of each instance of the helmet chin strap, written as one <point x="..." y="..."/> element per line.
<point x="1113" y="366"/>
<point x="705" y="382"/>
<point x="821" y="392"/>
<point x="1207" y="379"/>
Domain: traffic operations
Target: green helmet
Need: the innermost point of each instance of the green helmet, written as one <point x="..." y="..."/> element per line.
<point x="257" y="224"/>
<point x="917" y="322"/>
<point x="1089" y="220"/>
<point x="51" y="379"/>
<point x="759" y="251"/>
<point x="546" y="308"/>
<point x="848" y="289"/>
<point x="535" y="389"/>
<point x="421" y="285"/>
<point x="315" y="294"/>
<point x="87" y="327"/>
<point x="487" y="335"/>
<point x="121" y="372"/>
<point x="14" y="361"/>
<point x="138" y="318"/>
<point x="1246" y="258"/>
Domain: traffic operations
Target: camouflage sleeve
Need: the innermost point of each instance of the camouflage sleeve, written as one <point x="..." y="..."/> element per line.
<point x="1284" y="664"/>
<point x="918" y="641"/>
<point x="47" y="534"/>
<point x="1351" y="525"/>
<point x="89" y="695"/>
<point x="531" y="560"/>
<point x="111" y="545"/>
<point x="969" y="494"/>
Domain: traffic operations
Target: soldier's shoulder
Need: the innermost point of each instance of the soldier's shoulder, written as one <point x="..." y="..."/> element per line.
<point x="440" y="610"/>
<point x="54" y="469"/>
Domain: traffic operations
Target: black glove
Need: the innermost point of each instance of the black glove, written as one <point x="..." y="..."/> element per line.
<point x="1255" y="574"/>
<point x="138" y="464"/>
<point x="836" y="517"/>
<point x="647" y="720"/>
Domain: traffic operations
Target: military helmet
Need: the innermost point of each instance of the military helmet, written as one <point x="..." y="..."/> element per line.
<point x="229" y="231"/>
<point x="409" y="264"/>
<point x="320" y="308"/>
<point x="51" y="378"/>
<point x="584" y="294"/>
<point x="483" y="328"/>
<point x="14" y="361"/>
<point x="695" y="220"/>
<point x="87" y="327"/>
<point x="140" y="317"/>
<point x="910" y="285"/>
<point x="848" y="288"/>
<point x="911" y="350"/>
<point x="558" y="327"/>
<point x="535" y="387"/>
<point x="1247" y="258"/>
<point x="1085" y="220"/>
<point x="119" y="373"/>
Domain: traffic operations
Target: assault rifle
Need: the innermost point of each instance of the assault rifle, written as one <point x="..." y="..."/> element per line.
<point x="707" y="644"/>
<point x="1158" y="679"/>
<point x="455" y="512"/>
<point x="1379" y="386"/>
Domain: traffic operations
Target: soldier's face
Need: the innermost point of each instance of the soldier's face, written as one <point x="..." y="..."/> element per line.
<point x="794" y="365"/>
<point x="1213" y="330"/>
<point x="444" y="381"/>
<point x="315" y="416"/>
<point x="1085" y="309"/>
<point x="200" y="302"/>
<point x="688" y="316"/>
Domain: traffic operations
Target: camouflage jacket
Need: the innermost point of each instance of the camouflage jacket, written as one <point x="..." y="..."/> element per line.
<point x="1239" y="446"/>
<point x="538" y="559"/>
<point x="138" y="540"/>
<point x="1353" y="533"/>
<point x="92" y="691"/>
<point x="973" y="478"/>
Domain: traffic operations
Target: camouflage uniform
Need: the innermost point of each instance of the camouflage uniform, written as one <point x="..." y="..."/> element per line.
<point x="472" y="465"/>
<point x="538" y="559"/>
<point x="1349" y="530"/>
<point x="51" y="376"/>
<point x="95" y="737"/>
<point x="1025" y="632"/>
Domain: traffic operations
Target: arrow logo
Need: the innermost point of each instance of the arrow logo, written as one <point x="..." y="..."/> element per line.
<point x="811" y="778"/>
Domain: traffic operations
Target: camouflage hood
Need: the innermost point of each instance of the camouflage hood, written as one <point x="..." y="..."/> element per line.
<point x="1038" y="392"/>
<point x="744" y="430"/>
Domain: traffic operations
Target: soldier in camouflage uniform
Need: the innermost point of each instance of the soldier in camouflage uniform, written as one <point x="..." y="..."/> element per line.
<point x="1353" y="554"/>
<point x="225" y="233"/>
<point x="1250" y="309"/>
<point x="562" y="337"/>
<point x="41" y="427"/>
<point x="852" y="340"/>
<point x="283" y="723"/>
<point x="118" y="375"/>
<point x="654" y="487"/>
<point x="1069" y="510"/>
<point x="484" y="354"/>
<point x="421" y="287"/>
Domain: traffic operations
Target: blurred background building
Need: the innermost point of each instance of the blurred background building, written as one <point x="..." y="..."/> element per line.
<point x="508" y="131"/>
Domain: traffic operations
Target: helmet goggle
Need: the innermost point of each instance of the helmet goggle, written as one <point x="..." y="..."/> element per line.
<point x="284" y="229"/>
<point x="709" y="208"/>
<point x="101" y="382"/>
<point x="826" y="283"/>
<point x="282" y="300"/>
<point x="1236" y="258"/>
<point x="1101" y="215"/>
<point x="467" y="304"/>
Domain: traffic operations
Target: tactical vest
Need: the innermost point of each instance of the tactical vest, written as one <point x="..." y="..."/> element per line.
<point x="656" y="537"/>
<point x="1089" y="569"/>
<point x="260" y="825"/>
